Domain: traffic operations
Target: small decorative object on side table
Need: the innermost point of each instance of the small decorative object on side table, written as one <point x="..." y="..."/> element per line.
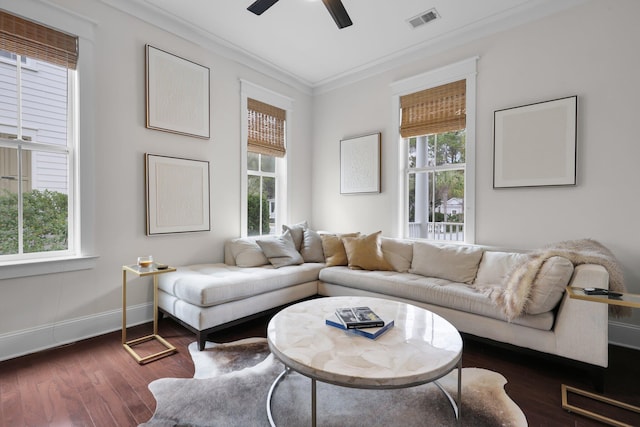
<point x="145" y="267"/>
<point x="611" y="298"/>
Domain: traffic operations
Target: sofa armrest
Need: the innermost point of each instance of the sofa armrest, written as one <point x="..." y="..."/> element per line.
<point x="582" y="327"/>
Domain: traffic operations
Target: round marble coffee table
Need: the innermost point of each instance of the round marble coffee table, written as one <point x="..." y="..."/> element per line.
<point x="421" y="347"/>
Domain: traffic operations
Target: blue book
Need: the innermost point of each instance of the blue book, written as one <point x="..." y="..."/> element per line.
<point x="371" y="333"/>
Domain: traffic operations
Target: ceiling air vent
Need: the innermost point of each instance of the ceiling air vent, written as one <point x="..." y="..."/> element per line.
<point x="423" y="18"/>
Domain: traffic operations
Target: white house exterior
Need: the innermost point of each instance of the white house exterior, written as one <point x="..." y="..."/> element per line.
<point x="44" y="106"/>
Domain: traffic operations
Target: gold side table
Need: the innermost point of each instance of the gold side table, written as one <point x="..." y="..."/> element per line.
<point x="142" y="272"/>
<point x="625" y="300"/>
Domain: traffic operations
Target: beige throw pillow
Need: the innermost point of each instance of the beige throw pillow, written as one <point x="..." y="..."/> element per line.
<point x="365" y="253"/>
<point x="333" y="248"/>
<point x="451" y="262"/>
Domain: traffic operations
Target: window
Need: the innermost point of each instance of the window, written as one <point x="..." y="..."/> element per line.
<point x="265" y="127"/>
<point x="261" y="193"/>
<point x="436" y="130"/>
<point x="37" y="143"/>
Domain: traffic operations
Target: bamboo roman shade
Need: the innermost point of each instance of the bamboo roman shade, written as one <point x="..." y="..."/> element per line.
<point x="266" y="129"/>
<point x="434" y="110"/>
<point x="36" y="41"/>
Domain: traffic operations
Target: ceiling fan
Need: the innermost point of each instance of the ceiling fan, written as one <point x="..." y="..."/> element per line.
<point x="335" y="8"/>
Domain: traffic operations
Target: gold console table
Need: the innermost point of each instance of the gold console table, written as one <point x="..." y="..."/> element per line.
<point x="128" y="345"/>
<point x="625" y="300"/>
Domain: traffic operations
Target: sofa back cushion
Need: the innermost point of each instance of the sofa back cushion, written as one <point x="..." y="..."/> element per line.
<point x="546" y="289"/>
<point x="245" y="253"/>
<point x="398" y="253"/>
<point x="451" y="262"/>
<point x="495" y="266"/>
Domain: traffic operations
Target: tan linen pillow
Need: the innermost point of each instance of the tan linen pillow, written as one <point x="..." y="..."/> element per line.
<point x="311" y="248"/>
<point x="333" y="248"/>
<point x="550" y="284"/>
<point x="365" y="252"/>
<point x="495" y="266"/>
<point x="398" y="253"/>
<point x="451" y="262"/>
<point x="247" y="253"/>
<point x="280" y="250"/>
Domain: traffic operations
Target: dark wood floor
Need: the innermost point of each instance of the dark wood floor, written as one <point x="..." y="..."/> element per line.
<point x="96" y="383"/>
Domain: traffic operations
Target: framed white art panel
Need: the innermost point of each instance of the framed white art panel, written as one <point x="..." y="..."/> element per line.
<point x="177" y="195"/>
<point x="177" y="92"/>
<point x="360" y="164"/>
<point x="535" y="145"/>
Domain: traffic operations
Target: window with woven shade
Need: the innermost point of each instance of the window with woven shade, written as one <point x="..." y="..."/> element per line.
<point x="265" y="162"/>
<point x="266" y="133"/>
<point x="37" y="145"/>
<point x="433" y="125"/>
<point x="36" y="41"/>
<point x="435" y="110"/>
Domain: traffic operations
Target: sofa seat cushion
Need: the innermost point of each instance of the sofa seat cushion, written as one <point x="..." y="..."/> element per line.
<point x="212" y="284"/>
<point x="428" y="290"/>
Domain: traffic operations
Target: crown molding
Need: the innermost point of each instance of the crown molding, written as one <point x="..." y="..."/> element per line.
<point x="508" y="19"/>
<point x="514" y="17"/>
<point x="208" y="41"/>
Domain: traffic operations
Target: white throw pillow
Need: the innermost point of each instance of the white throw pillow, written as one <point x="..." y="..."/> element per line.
<point x="280" y="251"/>
<point x="311" y="249"/>
<point x="297" y="233"/>
<point x="549" y="285"/>
<point x="247" y="253"/>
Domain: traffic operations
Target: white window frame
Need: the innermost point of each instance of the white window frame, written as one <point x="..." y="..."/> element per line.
<point x="467" y="70"/>
<point x="262" y="174"/>
<point x="81" y="160"/>
<point x="251" y="90"/>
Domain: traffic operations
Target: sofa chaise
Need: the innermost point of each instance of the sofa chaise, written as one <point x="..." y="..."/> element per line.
<point x="509" y="297"/>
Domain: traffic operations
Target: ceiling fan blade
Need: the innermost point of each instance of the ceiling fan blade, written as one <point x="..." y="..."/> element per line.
<point x="338" y="13"/>
<point x="259" y="6"/>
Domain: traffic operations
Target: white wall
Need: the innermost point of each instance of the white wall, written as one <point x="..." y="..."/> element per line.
<point x="589" y="51"/>
<point x="42" y="311"/>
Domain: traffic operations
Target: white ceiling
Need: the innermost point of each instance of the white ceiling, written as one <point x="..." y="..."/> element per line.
<point x="299" y="37"/>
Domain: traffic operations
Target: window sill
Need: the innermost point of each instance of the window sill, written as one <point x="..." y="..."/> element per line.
<point x="46" y="266"/>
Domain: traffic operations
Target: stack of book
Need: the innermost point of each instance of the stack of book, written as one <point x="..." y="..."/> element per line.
<point x="360" y="321"/>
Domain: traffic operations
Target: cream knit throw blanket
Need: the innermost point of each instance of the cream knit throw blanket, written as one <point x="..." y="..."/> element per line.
<point x="515" y="293"/>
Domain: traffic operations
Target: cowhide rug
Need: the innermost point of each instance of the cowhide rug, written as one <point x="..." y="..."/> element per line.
<point x="232" y="380"/>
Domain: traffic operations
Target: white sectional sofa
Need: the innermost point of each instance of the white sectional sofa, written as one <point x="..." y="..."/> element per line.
<point x="476" y="288"/>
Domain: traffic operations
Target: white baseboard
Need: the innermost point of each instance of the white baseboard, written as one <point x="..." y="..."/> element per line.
<point x="40" y="338"/>
<point x="624" y="334"/>
<point x="28" y="341"/>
